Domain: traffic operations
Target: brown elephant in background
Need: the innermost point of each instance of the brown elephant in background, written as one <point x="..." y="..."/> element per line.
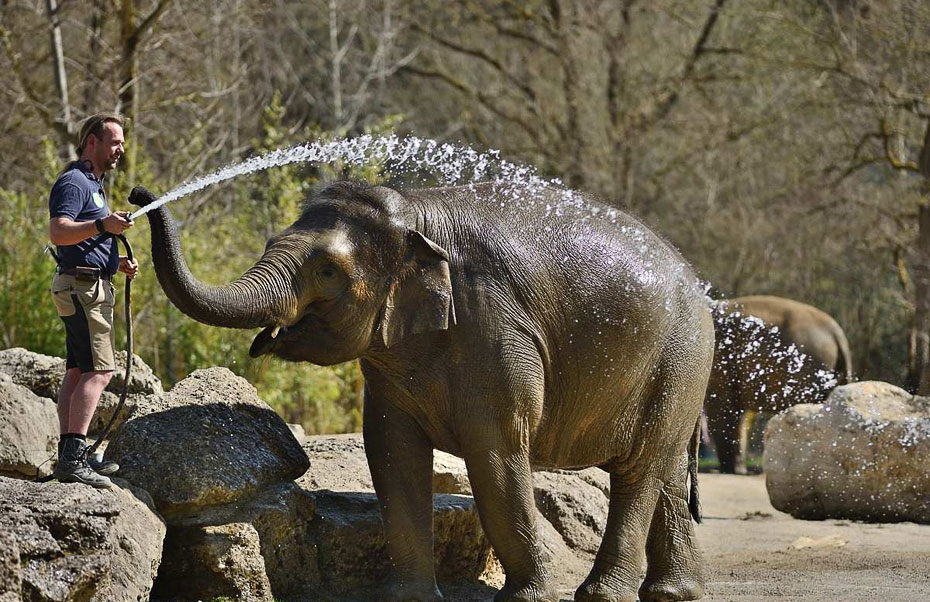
<point x="760" y="369"/>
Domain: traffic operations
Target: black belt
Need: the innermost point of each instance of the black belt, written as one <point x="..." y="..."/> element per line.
<point x="85" y="273"/>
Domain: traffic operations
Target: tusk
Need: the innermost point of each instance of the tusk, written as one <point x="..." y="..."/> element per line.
<point x="274" y="333"/>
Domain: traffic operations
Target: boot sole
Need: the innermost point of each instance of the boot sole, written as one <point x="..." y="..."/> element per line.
<point x="106" y="484"/>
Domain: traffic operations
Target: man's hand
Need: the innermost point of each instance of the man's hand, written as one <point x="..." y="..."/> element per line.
<point x="117" y="222"/>
<point x="130" y="267"/>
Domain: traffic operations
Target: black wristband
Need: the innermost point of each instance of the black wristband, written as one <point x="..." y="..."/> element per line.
<point x="99" y="224"/>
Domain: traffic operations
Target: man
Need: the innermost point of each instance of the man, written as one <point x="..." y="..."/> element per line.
<point x="82" y="227"/>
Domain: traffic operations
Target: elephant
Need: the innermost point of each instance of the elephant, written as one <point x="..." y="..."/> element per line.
<point x="505" y="324"/>
<point x="755" y="369"/>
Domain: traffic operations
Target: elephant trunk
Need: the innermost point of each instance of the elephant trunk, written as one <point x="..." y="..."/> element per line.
<point x="262" y="296"/>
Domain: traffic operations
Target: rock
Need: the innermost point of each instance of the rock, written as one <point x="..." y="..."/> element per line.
<point x="11" y="572"/>
<point x="577" y="509"/>
<point x="450" y="474"/>
<point x="72" y="542"/>
<point x="299" y="433"/>
<point x="29" y="427"/>
<point x="862" y="455"/>
<point x="218" y="443"/>
<point x="339" y="464"/>
<point x="39" y="373"/>
<point x="142" y="381"/>
<point x="324" y="544"/>
<point x="211" y="562"/>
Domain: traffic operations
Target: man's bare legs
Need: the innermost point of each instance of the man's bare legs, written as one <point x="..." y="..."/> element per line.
<point x="77" y="399"/>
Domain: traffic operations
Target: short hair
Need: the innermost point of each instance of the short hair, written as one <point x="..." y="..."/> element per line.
<point x="94" y="125"/>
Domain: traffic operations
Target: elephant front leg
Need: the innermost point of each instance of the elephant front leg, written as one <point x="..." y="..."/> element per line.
<point x="400" y="458"/>
<point x="502" y="485"/>
<point x="675" y="569"/>
<point x="621" y="557"/>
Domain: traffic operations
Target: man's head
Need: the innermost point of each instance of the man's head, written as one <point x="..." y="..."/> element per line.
<point x="101" y="141"/>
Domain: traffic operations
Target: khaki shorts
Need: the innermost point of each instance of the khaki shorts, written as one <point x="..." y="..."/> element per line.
<point x="86" y="308"/>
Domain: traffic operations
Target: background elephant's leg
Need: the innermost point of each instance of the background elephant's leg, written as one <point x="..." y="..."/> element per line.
<point x="401" y="461"/>
<point x="673" y="557"/>
<point x="502" y="485"/>
<point x="723" y="422"/>
<point x="621" y="558"/>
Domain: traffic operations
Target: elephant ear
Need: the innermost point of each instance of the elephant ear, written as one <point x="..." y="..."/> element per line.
<point x="420" y="297"/>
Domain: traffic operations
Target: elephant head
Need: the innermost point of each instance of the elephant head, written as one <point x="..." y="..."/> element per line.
<point x="347" y="278"/>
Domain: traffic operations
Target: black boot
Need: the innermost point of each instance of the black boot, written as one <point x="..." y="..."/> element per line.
<point x="73" y="467"/>
<point x="104" y="467"/>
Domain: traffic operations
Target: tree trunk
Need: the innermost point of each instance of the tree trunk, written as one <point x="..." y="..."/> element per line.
<point x="128" y="99"/>
<point x="921" y="329"/>
<point x="61" y="78"/>
<point x="586" y="70"/>
<point x="920" y="332"/>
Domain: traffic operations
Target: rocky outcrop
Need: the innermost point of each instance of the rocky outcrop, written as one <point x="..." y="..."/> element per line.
<point x="72" y="542"/>
<point x="213" y="561"/>
<point x="28" y="431"/>
<point x="218" y="443"/>
<point x="862" y="455"/>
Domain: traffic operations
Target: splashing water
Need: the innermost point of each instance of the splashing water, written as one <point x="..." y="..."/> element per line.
<point x="756" y="353"/>
<point x="451" y="164"/>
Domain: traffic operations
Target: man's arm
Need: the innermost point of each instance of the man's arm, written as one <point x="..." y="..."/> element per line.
<point x="65" y="231"/>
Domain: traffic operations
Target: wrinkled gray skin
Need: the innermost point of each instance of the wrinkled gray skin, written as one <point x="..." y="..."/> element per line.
<point x="503" y="335"/>
<point x="732" y="394"/>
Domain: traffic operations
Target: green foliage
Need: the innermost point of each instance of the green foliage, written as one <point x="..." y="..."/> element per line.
<point x="27" y="316"/>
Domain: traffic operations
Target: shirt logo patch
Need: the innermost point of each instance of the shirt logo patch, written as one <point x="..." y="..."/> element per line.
<point x="98" y="199"/>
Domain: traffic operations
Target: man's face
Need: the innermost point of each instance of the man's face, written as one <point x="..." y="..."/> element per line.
<point x="107" y="150"/>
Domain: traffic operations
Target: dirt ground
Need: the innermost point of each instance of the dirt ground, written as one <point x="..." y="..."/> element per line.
<point x="754" y="553"/>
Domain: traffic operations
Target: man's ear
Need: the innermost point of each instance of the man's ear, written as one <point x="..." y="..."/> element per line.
<point x="420" y="297"/>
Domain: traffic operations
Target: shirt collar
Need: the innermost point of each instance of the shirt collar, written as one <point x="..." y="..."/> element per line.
<point x="87" y="171"/>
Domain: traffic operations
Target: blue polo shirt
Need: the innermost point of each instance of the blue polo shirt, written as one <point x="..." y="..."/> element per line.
<point x="78" y="195"/>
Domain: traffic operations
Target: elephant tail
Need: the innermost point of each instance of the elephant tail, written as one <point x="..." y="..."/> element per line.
<point x="694" y="502"/>
<point x="844" y="362"/>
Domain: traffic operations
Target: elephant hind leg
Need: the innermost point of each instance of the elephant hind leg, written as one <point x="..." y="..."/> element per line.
<point x="621" y="557"/>
<point x="674" y="565"/>
<point x="725" y="426"/>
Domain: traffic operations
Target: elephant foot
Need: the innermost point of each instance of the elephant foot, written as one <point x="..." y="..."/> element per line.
<point x="672" y="591"/>
<point x="604" y="589"/>
<point x="412" y="590"/>
<point x="535" y="591"/>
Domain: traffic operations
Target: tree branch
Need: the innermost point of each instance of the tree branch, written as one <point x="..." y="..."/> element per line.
<point x="480" y="55"/>
<point x="481" y="97"/>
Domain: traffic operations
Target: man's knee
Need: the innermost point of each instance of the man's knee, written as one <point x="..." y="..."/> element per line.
<point x="99" y="376"/>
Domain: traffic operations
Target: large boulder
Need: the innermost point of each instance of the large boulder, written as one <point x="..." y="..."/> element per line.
<point x="63" y="542"/>
<point x="39" y="373"/>
<point x="576" y="508"/>
<point x="29" y="427"/>
<point x="217" y="443"/>
<point x="862" y="455"/>
<point x="314" y="544"/>
<point x="213" y="561"/>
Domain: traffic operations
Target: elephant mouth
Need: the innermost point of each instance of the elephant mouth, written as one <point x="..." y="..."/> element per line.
<point x="264" y="342"/>
<point x="268" y="340"/>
